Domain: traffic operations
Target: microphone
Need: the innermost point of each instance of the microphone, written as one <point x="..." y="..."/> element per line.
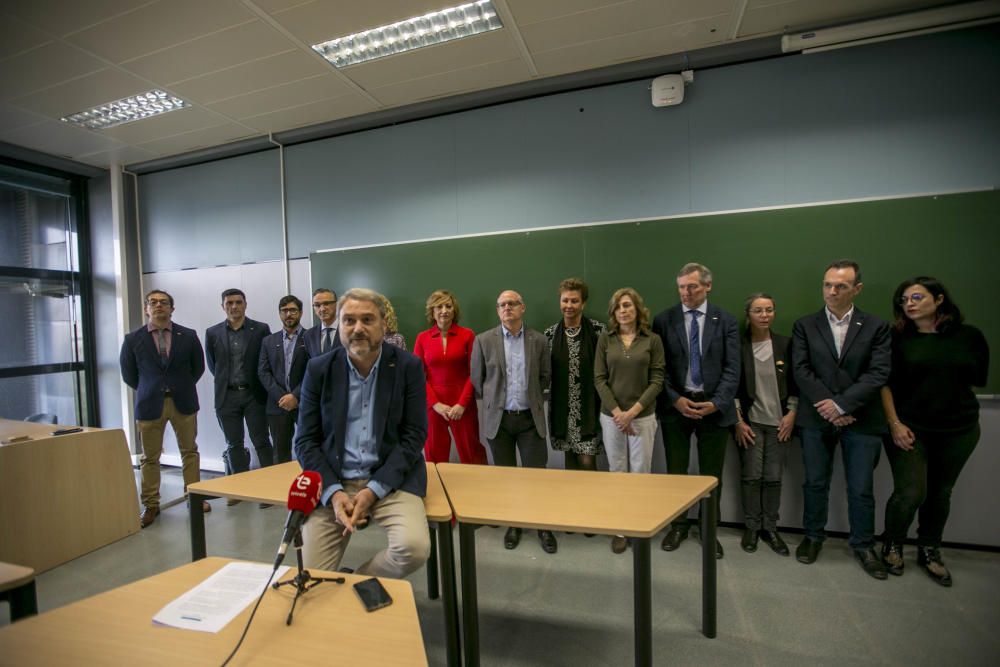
<point x="303" y="496"/>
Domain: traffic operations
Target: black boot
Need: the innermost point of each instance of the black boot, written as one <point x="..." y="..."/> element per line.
<point x="929" y="558"/>
<point x="892" y="556"/>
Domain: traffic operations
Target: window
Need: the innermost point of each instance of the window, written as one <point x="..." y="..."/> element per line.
<point x="44" y="360"/>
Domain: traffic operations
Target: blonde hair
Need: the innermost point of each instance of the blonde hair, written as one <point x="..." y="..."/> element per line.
<point x="641" y="312"/>
<point x="438" y="297"/>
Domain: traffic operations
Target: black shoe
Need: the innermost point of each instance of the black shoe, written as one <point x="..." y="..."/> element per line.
<point x="548" y="541"/>
<point x="892" y="557"/>
<point x="808" y="551"/>
<point x="512" y="538"/>
<point x="749" y="541"/>
<point x="929" y="558"/>
<point x="718" y="550"/>
<point x="673" y="539"/>
<point x="773" y="540"/>
<point x="871" y="564"/>
<point x="619" y="544"/>
<point x="264" y="506"/>
<point x="346" y="570"/>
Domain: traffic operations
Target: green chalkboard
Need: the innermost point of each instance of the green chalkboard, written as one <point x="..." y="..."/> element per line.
<point x="781" y="251"/>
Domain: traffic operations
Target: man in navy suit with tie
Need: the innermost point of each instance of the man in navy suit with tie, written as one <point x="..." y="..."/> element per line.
<point x="282" y="365"/>
<point x="322" y="337"/>
<point x="362" y="426"/>
<point x="162" y="361"/>
<point x="703" y="372"/>
<point x="232" y="348"/>
<point x="841" y="358"/>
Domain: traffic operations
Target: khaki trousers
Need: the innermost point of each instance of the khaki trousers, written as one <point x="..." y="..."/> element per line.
<point x="151" y="435"/>
<point x="404" y="519"/>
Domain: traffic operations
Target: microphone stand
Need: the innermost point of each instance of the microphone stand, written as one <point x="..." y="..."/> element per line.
<point x="303" y="581"/>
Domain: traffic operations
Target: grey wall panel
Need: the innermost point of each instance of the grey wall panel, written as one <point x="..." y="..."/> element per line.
<point x="109" y="382"/>
<point x="219" y="213"/>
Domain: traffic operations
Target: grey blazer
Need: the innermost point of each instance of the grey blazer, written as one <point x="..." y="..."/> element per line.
<point x="489" y="376"/>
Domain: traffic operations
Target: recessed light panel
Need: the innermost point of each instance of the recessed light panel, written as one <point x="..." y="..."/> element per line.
<point x="126" y="110"/>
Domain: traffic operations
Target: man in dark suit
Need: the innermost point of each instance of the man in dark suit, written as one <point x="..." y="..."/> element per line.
<point x="841" y="358"/>
<point x="703" y="373"/>
<point x="282" y="365"/>
<point x="322" y="337"/>
<point x="362" y="426"/>
<point x="162" y="361"/>
<point x="510" y="370"/>
<point x="232" y="348"/>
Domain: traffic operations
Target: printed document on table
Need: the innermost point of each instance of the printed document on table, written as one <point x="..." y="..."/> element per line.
<point x="210" y="605"/>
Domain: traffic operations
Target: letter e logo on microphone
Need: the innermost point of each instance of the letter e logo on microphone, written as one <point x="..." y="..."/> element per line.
<point x="302" y="483"/>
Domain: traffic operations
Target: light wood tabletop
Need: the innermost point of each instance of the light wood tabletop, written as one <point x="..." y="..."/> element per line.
<point x="115" y="628"/>
<point x="12" y="576"/>
<point x="573" y="500"/>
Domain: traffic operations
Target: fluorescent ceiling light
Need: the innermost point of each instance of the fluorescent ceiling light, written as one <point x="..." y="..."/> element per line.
<point x="126" y="110"/>
<point x="435" y="28"/>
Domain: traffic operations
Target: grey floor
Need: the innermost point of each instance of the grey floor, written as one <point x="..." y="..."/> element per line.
<point x="574" y="608"/>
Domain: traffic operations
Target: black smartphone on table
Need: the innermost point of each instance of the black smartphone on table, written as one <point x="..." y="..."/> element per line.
<point x="373" y="595"/>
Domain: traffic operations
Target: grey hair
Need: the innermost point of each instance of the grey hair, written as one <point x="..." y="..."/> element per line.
<point x="362" y="294"/>
<point x="703" y="271"/>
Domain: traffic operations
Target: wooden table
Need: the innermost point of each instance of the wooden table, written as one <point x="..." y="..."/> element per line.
<point x="578" y="501"/>
<point x="17" y="586"/>
<point x="271" y="484"/>
<point x="116" y="628"/>
<point x="63" y="496"/>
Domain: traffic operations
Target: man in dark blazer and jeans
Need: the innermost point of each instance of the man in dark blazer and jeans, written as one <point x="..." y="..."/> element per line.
<point x="281" y="368"/>
<point x="702" y="343"/>
<point x="163" y="362"/>
<point x="232" y="348"/>
<point x="841" y="359"/>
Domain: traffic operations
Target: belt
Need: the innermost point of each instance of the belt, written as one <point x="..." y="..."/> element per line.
<point x="239" y="387"/>
<point x="698" y="396"/>
<point x="516" y="412"/>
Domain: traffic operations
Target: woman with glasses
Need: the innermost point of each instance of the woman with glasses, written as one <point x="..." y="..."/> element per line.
<point x="628" y="374"/>
<point x="766" y="402"/>
<point x="573" y="403"/>
<point x="933" y="417"/>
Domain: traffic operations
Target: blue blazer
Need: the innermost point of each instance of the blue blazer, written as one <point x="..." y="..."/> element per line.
<point x="400" y="420"/>
<point x="217" y="352"/>
<point x="852" y="380"/>
<point x="313" y="341"/>
<point x="143" y="370"/>
<point x="271" y="369"/>
<point x="720" y="360"/>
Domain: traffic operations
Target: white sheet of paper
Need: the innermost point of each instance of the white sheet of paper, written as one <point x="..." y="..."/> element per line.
<point x="209" y="606"/>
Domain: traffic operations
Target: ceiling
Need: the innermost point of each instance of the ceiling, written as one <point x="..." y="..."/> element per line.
<point x="246" y="68"/>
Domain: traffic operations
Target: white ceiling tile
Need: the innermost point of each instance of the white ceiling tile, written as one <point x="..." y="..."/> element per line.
<point x="60" y="17"/>
<point x="58" y="138"/>
<point x="769" y="17"/>
<point x="617" y="20"/>
<point x="293" y="94"/>
<point x="486" y="47"/>
<point x="252" y="76"/>
<point x="189" y="141"/>
<point x="273" y="6"/>
<point x="233" y="46"/>
<point x="164" y="125"/>
<point x="83" y="93"/>
<point x="310" y="114"/>
<point x="12" y="117"/>
<point x="533" y="11"/>
<point x="123" y="156"/>
<point x="43" y="67"/>
<point x="322" y="20"/>
<point x="158" y="26"/>
<point x="460" y="81"/>
<point x="632" y="46"/>
<point x="17" y="36"/>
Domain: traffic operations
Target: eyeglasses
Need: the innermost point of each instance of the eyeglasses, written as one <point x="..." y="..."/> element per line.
<point x="158" y="302"/>
<point x="837" y="287"/>
<point x="320" y="304"/>
<point x="916" y="297"/>
<point x="508" y="304"/>
<point x="761" y="311"/>
<point x="288" y="311"/>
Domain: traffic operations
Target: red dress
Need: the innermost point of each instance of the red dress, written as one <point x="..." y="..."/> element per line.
<point x="448" y="382"/>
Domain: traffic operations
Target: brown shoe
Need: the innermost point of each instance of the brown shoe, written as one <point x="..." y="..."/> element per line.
<point x="148" y="516"/>
<point x="205" y="507"/>
<point x="232" y="501"/>
<point x="619" y="544"/>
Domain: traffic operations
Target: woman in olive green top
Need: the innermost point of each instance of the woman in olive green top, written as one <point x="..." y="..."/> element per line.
<point x="628" y="374"/>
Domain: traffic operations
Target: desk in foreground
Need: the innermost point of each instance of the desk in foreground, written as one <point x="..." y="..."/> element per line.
<point x="640" y="506"/>
<point x="116" y="628"/>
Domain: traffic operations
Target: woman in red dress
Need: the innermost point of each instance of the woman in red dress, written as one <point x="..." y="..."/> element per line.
<point x="446" y="350"/>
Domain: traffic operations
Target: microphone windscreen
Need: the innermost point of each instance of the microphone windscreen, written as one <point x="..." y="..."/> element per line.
<point x="305" y="492"/>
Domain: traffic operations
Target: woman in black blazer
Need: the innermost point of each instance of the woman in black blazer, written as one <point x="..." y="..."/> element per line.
<point x="766" y="402"/>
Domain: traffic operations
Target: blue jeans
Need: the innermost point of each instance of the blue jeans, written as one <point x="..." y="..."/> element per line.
<point x="860" y="452"/>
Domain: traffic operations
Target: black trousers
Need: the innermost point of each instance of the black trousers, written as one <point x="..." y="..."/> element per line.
<point x="518" y="430"/>
<point x="922" y="480"/>
<point x="282" y="429"/>
<point x="241" y="406"/>
<point x="712" y="440"/>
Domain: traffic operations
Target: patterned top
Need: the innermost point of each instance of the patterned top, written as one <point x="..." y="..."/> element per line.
<point x="582" y="433"/>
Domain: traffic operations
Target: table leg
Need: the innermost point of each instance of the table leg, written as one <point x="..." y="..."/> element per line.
<point x="709" y="519"/>
<point x="446" y="556"/>
<point x="197" y="526"/>
<point x="470" y="603"/>
<point x="642" y="593"/>
<point x="23" y="601"/>
<point x="432" y="565"/>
